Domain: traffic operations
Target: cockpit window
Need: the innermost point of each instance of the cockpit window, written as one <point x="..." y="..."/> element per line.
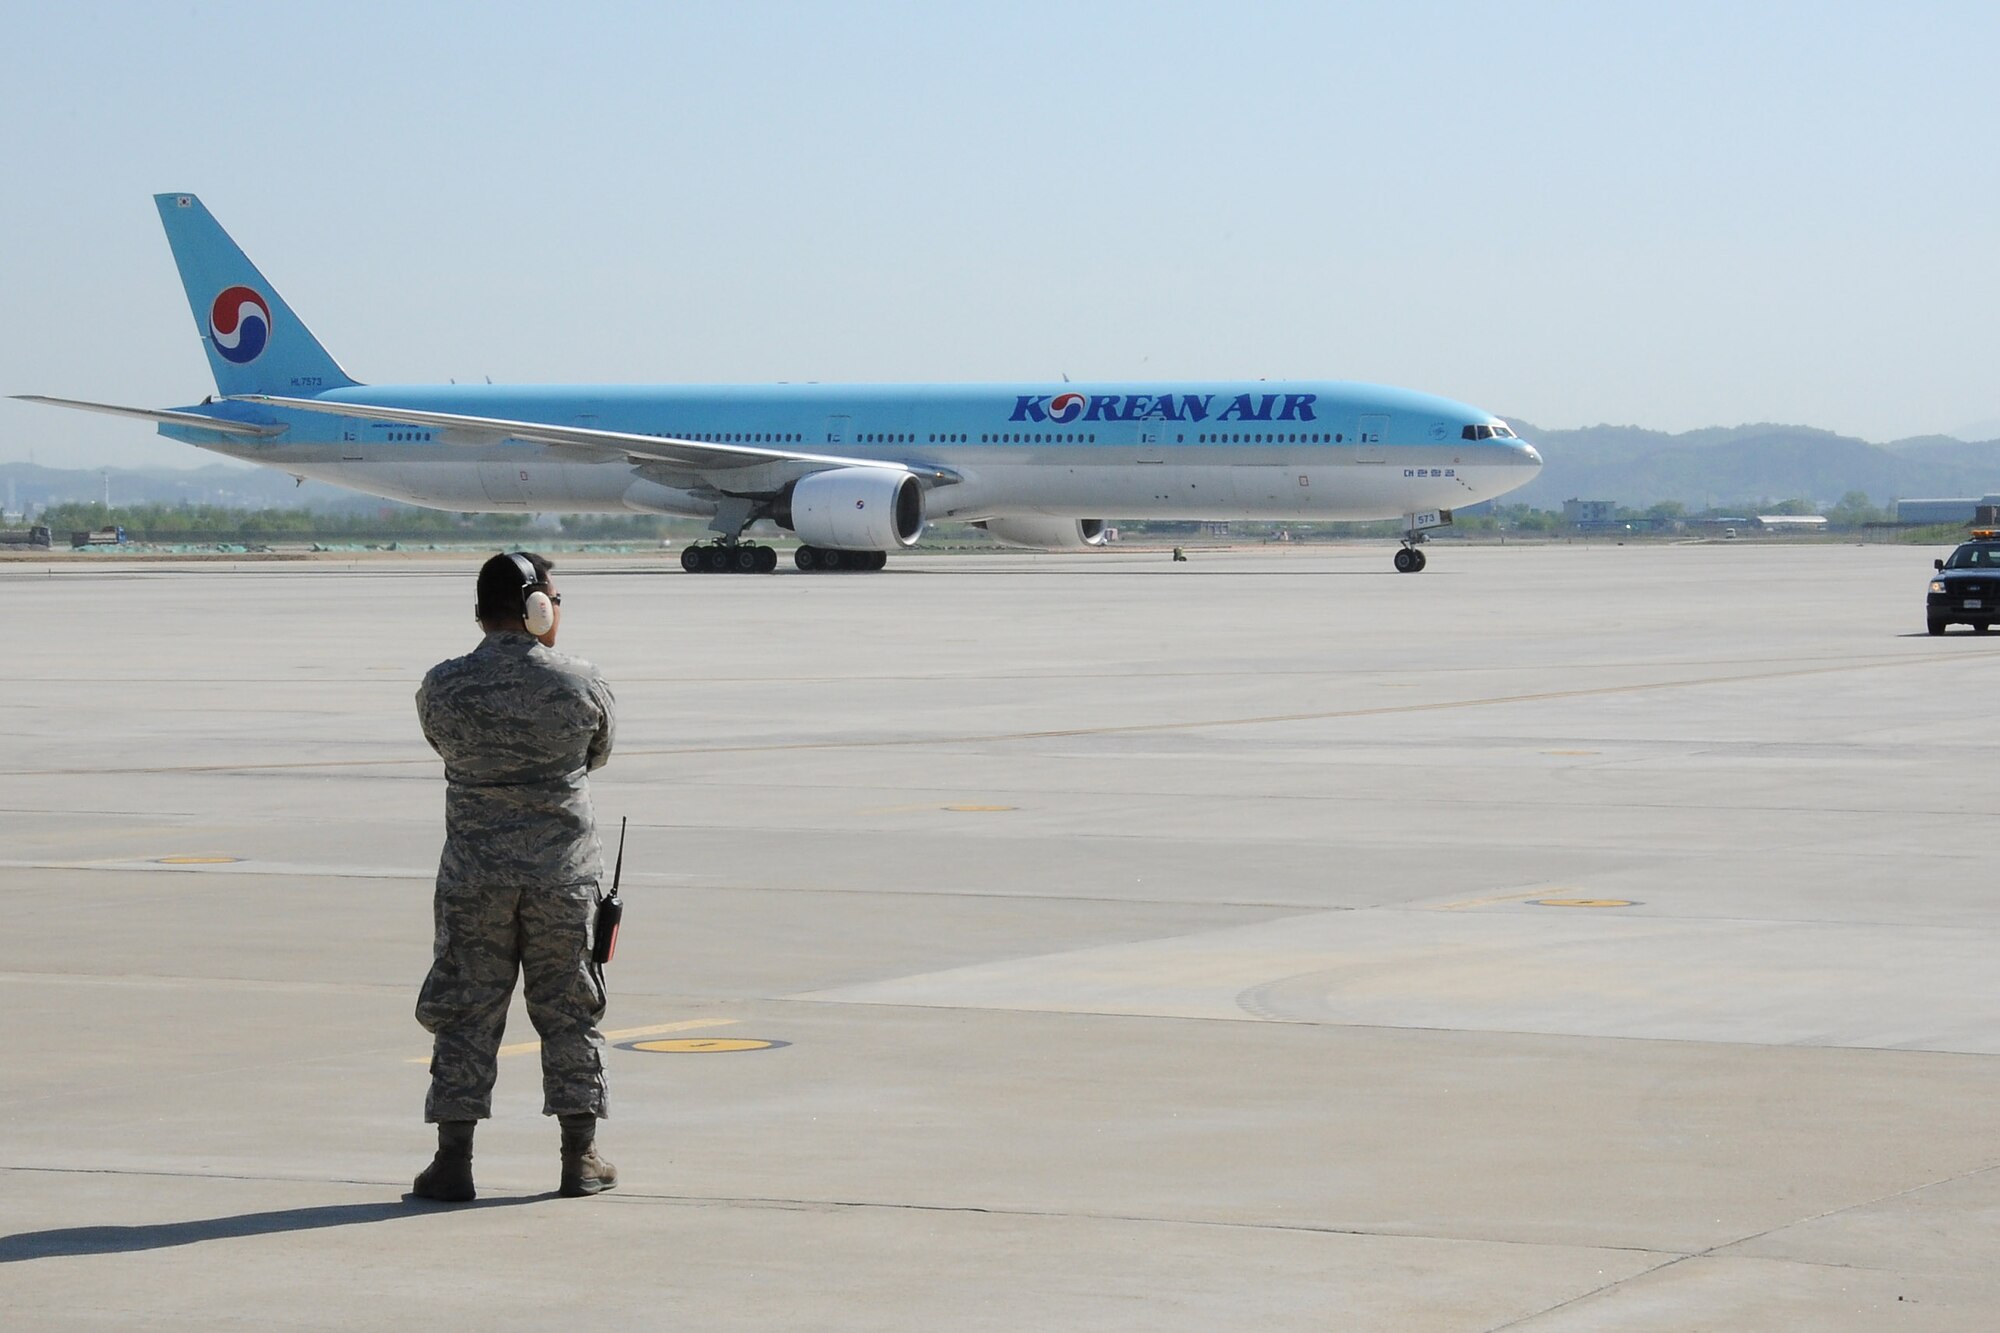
<point x="1974" y="557"/>
<point x="1487" y="433"/>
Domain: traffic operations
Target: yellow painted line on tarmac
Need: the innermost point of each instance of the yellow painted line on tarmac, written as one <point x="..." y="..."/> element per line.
<point x="90" y="863"/>
<point x="1481" y="902"/>
<point x="685" y="1025"/>
<point x="1585" y="902"/>
<point x="623" y="1034"/>
<point x="705" y="1045"/>
<point x="928" y="808"/>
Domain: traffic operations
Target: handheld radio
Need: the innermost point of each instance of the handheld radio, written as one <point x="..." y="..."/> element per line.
<point x="610" y="910"/>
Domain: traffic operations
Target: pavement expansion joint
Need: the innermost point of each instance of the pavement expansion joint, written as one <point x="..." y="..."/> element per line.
<point x="1858" y="1204"/>
<point x="1058" y="733"/>
<point x="1578" y="1299"/>
<point x="1721" y="1248"/>
<point x="110" y="1238"/>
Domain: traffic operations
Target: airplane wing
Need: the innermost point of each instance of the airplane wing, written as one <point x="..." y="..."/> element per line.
<point x="221" y="425"/>
<point x="604" y="445"/>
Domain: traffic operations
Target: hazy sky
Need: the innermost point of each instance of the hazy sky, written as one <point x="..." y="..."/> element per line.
<point x="1674" y="215"/>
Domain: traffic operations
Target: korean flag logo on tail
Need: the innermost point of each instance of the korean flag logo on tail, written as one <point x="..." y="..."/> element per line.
<point x="239" y="325"/>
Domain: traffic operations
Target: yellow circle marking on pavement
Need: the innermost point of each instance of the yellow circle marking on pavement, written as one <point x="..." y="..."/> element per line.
<point x="197" y="860"/>
<point x="705" y="1045"/>
<point x="1584" y="902"/>
<point x="979" y="809"/>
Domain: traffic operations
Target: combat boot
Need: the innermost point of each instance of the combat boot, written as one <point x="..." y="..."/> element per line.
<point x="583" y="1171"/>
<point x="448" y="1179"/>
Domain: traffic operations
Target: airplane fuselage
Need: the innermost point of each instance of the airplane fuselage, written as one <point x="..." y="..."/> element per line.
<point x="1298" y="450"/>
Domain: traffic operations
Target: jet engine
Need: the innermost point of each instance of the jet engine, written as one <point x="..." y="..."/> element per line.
<point x="1047" y="534"/>
<point x="856" y="509"/>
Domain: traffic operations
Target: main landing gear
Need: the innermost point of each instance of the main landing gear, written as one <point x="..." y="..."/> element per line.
<point x="749" y="558"/>
<point x="738" y="558"/>
<point x="818" y="559"/>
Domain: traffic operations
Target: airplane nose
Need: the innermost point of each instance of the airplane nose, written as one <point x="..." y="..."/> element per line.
<point x="1527" y="454"/>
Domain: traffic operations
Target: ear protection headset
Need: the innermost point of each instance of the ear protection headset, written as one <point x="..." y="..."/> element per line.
<point x="538" y="613"/>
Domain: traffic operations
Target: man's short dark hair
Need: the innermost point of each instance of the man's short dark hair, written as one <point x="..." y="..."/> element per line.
<point x="501" y="596"/>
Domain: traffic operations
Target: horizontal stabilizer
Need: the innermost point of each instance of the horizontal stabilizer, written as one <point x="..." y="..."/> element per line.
<point x="193" y="420"/>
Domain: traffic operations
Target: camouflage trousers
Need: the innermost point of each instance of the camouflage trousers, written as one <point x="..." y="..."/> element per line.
<point x="485" y="936"/>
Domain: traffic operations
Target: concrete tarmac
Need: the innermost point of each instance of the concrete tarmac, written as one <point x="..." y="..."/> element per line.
<point x="1561" y="938"/>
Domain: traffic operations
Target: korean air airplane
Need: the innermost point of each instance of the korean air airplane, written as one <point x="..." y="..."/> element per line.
<point x="856" y="472"/>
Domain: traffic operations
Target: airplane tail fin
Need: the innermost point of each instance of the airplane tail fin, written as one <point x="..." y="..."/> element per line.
<point x="255" y="343"/>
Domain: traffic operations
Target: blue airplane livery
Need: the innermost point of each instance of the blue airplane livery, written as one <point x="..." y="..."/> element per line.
<point x="856" y="472"/>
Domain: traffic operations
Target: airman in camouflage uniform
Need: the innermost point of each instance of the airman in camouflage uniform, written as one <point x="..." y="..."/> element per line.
<point x="519" y="726"/>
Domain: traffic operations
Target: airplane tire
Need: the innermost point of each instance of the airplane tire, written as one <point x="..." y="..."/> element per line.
<point x="816" y="558"/>
<point x="767" y="560"/>
<point x="691" y="559"/>
<point x="1406" y="561"/>
<point x="746" y="559"/>
<point x="1417" y="561"/>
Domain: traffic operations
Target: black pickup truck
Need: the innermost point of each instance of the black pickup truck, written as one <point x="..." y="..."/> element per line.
<point x="1966" y="588"/>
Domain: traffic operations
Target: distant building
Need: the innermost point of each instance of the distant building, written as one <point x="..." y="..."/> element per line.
<point x="1589" y="513"/>
<point x="1941" y="511"/>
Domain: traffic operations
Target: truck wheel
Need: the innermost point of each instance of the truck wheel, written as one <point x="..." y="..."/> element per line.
<point x="1934" y="625"/>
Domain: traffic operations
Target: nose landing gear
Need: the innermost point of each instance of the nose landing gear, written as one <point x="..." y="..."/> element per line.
<point x="1411" y="558"/>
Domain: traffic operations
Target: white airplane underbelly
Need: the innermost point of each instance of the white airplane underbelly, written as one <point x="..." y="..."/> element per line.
<point x="1319" y="488"/>
<point x="1299" y="491"/>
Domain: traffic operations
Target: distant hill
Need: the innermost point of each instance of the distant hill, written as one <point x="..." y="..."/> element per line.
<point x="1731" y="466"/>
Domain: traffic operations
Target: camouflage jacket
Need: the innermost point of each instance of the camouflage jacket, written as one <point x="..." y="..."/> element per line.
<point x="519" y="727"/>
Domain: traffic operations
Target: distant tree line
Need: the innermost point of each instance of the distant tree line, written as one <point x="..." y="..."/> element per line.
<point x="196" y="523"/>
<point x="192" y="523"/>
<point x="218" y="523"/>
